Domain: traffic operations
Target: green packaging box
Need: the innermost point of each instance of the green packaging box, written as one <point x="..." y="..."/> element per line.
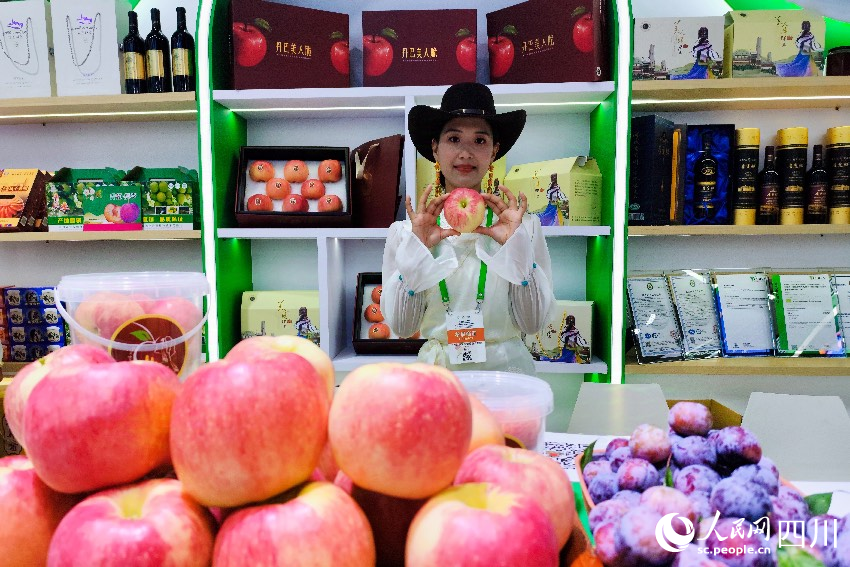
<point x="169" y="197"/>
<point x="80" y="199"/>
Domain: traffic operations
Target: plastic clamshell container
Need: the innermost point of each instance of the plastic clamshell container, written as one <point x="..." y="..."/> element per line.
<point x="138" y="315"/>
<point x="520" y="403"/>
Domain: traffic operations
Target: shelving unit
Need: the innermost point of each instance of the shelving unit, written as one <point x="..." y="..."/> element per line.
<point x="100" y="235"/>
<point x="102" y="108"/>
<point x="748" y="366"/>
<point x="737" y="230"/>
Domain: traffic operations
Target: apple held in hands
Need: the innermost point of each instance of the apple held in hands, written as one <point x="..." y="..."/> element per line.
<point x="464" y="209"/>
<point x="295" y="204"/>
<point x="118" y="527"/>
<point x="260" y="171"/>
<point x="249" y="44"/>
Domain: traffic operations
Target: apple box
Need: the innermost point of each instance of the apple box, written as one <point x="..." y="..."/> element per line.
<point x="279" y="186"/>
<point x="276" y="46"/>
<point x="19" y="191"/>
<point x="562" y="192"/>
<point x="169" y="197"/>
<point x="375" y="174"/>
<point x="85" y="47"/>
<point x="566" y="336"/>
<point x="371" y="335"/>
<point x="678" y="48"/>
<point x="549" y="41"/>
<point x="25" y="69"/>
<point x="773" y="43"/>
<point x="276" y="313"/>
<point x="419" y="47"/>
<point x="71" y="194"/>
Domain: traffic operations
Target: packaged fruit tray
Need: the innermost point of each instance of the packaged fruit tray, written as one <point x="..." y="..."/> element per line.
<point x="371" y="335"/>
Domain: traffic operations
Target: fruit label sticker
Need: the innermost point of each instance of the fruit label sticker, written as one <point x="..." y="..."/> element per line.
<point x="465" y="335"/>
<point x="145" y="333"/>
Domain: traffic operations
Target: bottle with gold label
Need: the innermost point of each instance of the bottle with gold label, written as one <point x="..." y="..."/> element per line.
<point x="838" y="171"/>
<point x="135" y="75"/>
<point x="744" y="176"/>
<point x="157" y="57"/>
<point x="792" y="152"/>
<point x="768" y="181"/>
<point x="182" y="56"/>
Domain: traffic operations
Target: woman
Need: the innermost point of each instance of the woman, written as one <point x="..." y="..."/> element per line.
<point x="804" y="64"/>
<point x="433" y="279"/>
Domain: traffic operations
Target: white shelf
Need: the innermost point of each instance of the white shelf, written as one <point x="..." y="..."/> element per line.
<point x="378" y="233"/>
<point x="348" y="360"/>
<point x="100" y="235"/>
<point x="99" y="108"/>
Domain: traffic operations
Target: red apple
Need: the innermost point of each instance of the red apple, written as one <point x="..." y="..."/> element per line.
<point x="30" y="510"/>
<point x="330" y="171"/>
<point x="376" y="294"/>
<point x="494" y="525"/>
<point x="583" y="33"/>
<point x="28" y="377"/>
<point x="373" y="313"/>
<point x="377" y="55"/>
<point x="379" y="331"/>
<point x="312" y="189"/>
<point x="296" y="171"/>
<point x="260" y="171"/>
<point x="149" y="523"/>
<point x="501" y="51"/>
<point x="249" y="45"/>
<point x="466" y="53"/>
<point x="90" y="426"/>
<point x="295" y="204"/>
<point x="330" y="204"/>
<point x="464" y="209"/>
<point x="259" y="202"/>
<point x="390" y="519"/>
<point x="529" y="473"/>
<point x="269" y="348"/>
<point x="401" y="430"/>
<point x="327" y="463"/>
<point x="485" y="427"/>
<point x="232" y="421"/>
<point x="343" y="481"/>
<point x="339" y="56"/>
<point x="317" y="524"/>
<point x="277" y="188"/>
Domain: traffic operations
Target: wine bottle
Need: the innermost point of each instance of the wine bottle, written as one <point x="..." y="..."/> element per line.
<point x="792" y="149"/>
<point x="705" y="181"/>
<point x="158" y="60"/>
<point x="182" y="56"/>
<point x="768" y="181"/>
<point x="817" y="185"/>
<point x="746" y="165"/>
<point x="135" y="75"/>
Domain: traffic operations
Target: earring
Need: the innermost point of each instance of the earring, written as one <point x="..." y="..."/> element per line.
<point x="490" y="179"/>
<point x="438" y="187"/>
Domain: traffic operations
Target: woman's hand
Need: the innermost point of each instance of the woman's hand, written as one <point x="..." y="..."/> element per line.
<point x="424" y="222"/>
<point x="510" y="215"/>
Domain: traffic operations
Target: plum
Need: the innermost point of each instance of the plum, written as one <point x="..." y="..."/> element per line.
<point x="788" y="506"/>
<point x="695" y="556"/>
<point x="635" y="536"/>
<point x="609" y="511"/>
<point x="736" y="447"/>
<point x="637" y="474"/>
<point x="666" y="500"/>
<point x="593" y="468"/>
<point x="701" y="505"/>
<point x="736" y="499"/>
<point x="618" y="456"/>
<point x="630" y="496"/>
<point x="838" y="555"/>
<point x="602" y="487"/>
<point x="606" y="546"/>
<point x="767" y="464"/>
<point x="696" y="478"/>
<point x="690" y="418"/>
<point x="737" y="542"/>
<point x="650" y="443"/>
<point x="615" y="444"/>
<point x="694" y="450"/>
<point x="129" y="212"/>
<point x="759" y="475"/>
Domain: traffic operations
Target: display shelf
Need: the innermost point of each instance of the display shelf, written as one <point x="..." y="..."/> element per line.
<point x="9" y="369"/>
<point x="738" y="230"/>
<point x="380" y="233"/>
<point x="742" y="366"/>
<point x="784" y="93"/>
<point x="99" y="108"/>
<point x="100" y="235"/>
<point x="347" y="360"/>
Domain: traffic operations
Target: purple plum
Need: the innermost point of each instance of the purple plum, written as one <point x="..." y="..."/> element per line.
<point x="737" y="543"/>
<point x="736" y="447"/>
<point x="635" y="536"/>
<point x="630" y="496"/>
<point x="609" y="511"/>
<point x="838" y="555"/>
<point x="759" y="475"/>
<point x="694" y="450"/>
<point x="666" y="500"/>
<point x="788" y="506"/>
<point x="695" y="556"/>
<point x="690" y="418"/>
<point x="736" y="499"/>
<point x="615" y="444"/>
<point x="696" y="478"/>
<point x="602" y="487"/>
<point x="593" y="468"/>
<point x="637" y="475"/>
<point x="618" y="456"/>
<point x="650" y="443"/>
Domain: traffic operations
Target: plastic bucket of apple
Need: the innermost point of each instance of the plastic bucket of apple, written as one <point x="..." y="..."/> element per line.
<point x="519" y="402"/>
<point x="138" y="315"/>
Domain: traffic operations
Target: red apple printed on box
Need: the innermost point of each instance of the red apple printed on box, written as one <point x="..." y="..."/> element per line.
<point x="502" y="51"/>
<point x="249" y="43"/>
<point x="582" y="29"/>
<point x="466" y="52"/>
<point x="378" y="52"/>
<point x="339" y="53"/>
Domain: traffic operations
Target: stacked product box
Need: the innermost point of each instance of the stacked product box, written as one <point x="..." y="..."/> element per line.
<point x="35" y="326"/>
<point x="4" y="328"/>
<point x="169" y="197"/>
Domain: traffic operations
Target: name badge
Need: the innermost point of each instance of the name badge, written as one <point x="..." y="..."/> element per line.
<point x="465" y="330"/>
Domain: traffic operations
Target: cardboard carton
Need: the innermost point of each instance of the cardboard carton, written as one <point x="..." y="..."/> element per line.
<point x="77" y="199"/>
<point x="278" y="313"/>
<point x="678" y="48"/>
<point x="170" y="198"/>
<point x="566" y="336"/>
<point x="375" y="174"/>
<point x="562" y="192"/>
<point x="773" y="43"/>
<point x="24" y="66"/>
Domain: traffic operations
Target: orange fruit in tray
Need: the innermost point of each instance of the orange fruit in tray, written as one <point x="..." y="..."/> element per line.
<point x="376" y="294"/>
<point x="373" y="313"/>
<point x="330" y="171"/>
<point x="296" y="171"/>
<point x="259" y="202"/>
<point x="313" y="189"/>
<point x="278" y="188"/>
<point x="379" y="331"/>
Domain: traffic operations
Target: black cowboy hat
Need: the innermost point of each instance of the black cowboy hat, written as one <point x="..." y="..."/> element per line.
<point x="474" y="100"/>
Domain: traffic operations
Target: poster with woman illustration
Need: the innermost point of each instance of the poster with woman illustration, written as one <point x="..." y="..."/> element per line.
<point x="566" y="336"/>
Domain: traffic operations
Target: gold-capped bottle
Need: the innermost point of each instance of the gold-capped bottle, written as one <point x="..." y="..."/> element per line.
<point x="744" y="176"/>
<point x="792" y="152"/>
<point x="705" y="181"/>
<point x="838" y="171"/>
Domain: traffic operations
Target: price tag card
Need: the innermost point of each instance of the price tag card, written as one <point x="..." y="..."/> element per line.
<point x="744" y="308"/>
<point x="654" y="319"/>
<point x="841" y="285"/>
<point x="465" y="333"/>
<point x="806" y="315"/>
<point x="697" y="313"/>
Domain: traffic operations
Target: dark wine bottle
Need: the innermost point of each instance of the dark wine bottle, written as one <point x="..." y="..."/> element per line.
<point x="157" y="57"/>
<point x="135" y="75"/>
<point x="705" y="181"/>
<point x="182" y="56"/>
<point x="817" y="189"/>
<point x="768" y="211"/>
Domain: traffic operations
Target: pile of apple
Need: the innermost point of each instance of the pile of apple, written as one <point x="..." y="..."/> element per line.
<point x="294" y="172"/>
<point x="253" y="461"/>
